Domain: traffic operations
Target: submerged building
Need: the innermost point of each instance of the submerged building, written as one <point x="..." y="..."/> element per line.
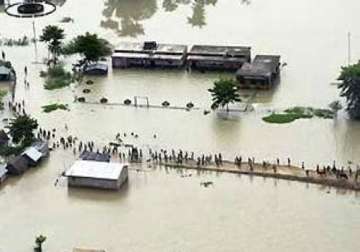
<point x="149" y="54"/>
<point x="259" y="74"/>
<point x="209" y="57"/>
<point x="95" y="174"/>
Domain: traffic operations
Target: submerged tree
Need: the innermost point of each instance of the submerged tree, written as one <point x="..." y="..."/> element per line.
<point x="52" y="35"/>
<point x="21" y="129"/>
<point x="39" y="240"/>
<point x="223" y="93"/>
<point x="90" y="46"/>
<point x="350" y="89"/>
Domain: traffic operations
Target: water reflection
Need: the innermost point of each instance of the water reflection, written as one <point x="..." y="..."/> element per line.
<point x="130" y="14"/>
<point x="124" y="16"/>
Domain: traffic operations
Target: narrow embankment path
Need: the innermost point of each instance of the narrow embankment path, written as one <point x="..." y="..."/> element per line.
<point x="274" y="171"/>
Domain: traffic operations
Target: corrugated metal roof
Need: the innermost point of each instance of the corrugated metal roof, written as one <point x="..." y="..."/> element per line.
<point x="95" y="169"/>
<point x="3" y="170"/>
<point x="33" y="154"/>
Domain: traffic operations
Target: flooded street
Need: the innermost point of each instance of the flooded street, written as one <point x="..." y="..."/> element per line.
<point x="158" y="210"/>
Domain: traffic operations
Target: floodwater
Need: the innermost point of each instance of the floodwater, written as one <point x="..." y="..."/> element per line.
<point x="159" y="210"/>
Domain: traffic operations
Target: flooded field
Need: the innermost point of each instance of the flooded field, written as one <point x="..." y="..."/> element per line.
<point x="158" y="210"/>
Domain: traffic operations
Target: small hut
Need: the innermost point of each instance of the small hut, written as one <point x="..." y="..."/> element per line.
<point x="4" y="139"/>
<point x="17" y="165"/>
<point x="32" y="155"/>
<point x="96" y="69"/>
<point x="259" y="74"/>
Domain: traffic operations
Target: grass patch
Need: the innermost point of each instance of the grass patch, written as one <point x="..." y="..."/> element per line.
<point x="280" y="118"/>
<point x="56" y="77"/>
<point x="55" y="106"/>
<point x="295" y="113"/>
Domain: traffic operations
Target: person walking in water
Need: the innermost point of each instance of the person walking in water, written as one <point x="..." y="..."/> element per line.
<point x="3" y="55"/>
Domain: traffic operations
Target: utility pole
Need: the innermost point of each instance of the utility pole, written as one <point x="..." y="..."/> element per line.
<point x="349" y="48"/>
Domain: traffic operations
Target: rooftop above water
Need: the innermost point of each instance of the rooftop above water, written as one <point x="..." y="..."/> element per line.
<point x="157" y="47"/>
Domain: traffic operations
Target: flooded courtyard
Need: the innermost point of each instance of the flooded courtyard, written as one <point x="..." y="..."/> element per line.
<point x="159" y="210"/>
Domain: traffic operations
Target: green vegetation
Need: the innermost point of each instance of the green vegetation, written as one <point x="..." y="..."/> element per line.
<point x="7" y="150"/>
<point x="21" y="130"/>
<point x="223" y="93"/>
<point x="57" y="77"/>
<point x="52" y="36"/>
<point x="349" y="88"/>
<point x="90" y="46"/>
<point x="39" y="240"/>
<point x="24" y="41"/>
<point x="52" y="107"/>
<point x="295" y="113"/>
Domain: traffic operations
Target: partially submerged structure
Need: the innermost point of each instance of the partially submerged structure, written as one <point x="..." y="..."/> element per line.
<point x="103" y="175"/>
<point x="95" y="156"/>
<point x="32" y="155"/>
<point x="259" y="74"/>
<point x="149" y="54"/>
<point x="209" y="57"/>
<point x="17" y="165"/>
<point x="98" y="68"/>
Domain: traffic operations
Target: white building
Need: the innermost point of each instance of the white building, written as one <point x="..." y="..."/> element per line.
<point x="104" y="175"/>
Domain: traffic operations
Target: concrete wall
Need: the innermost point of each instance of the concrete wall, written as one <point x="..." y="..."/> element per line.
<point x="95" y="183"/>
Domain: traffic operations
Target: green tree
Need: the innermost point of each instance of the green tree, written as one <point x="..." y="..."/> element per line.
<point x="39" y="240"/>
<point x="223" y="93"/>
<point x="53" y="36"/>
<point x="90" y="46"/>
<point x="350" y="89"/>
<point x="21" y="129"/>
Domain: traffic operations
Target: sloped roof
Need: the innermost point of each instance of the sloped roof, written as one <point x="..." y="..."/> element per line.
<point x="33" y="154"/>
<point x="3" y="170"/>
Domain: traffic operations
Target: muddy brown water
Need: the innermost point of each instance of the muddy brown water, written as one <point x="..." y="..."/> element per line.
<point x="160" y="210"/>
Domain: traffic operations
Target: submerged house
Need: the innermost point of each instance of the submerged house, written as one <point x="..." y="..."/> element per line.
<point x="32" y="155"/>
<point x="149" y="54"/>
<point x="102" y="175"/>
<point x="17" y="165"/>
<point x="207" y="57"/>
<point x="94" y="156"/>
<point x="261" y="73"/>
<point x="98" y="68"/>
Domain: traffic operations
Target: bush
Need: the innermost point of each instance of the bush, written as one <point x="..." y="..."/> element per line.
<point x="57" y="77"/>
<point x="53" y="107"/>
<point x="280" y="118"/>
<point x="7" y="151"/>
